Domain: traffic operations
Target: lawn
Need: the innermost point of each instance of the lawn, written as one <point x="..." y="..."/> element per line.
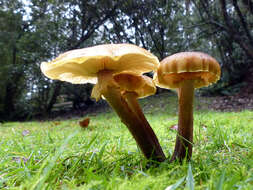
<point x="60" y="154"/>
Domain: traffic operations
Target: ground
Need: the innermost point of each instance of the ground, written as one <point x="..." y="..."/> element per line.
<point x="236" y="102"/>
<point x="230" y="103"/>
<point x="59" y="154"/>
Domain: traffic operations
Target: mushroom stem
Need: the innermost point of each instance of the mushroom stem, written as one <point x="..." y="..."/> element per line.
<point x="131" y="99"/>
<point x="146" y="140"/>
<point x="183" y="146"/>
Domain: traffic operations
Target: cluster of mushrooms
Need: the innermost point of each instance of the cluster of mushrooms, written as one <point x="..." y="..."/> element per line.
<point x="117" y="72"/>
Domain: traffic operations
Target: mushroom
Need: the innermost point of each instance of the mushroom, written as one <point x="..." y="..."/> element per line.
<point x="103" y="65"/>
<point x="186" y="71"/>
<point x="133" y="87"/>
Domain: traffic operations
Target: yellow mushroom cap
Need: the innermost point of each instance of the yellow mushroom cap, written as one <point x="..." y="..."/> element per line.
<point x="140" y="84"/>
<point x="82" y="65"/>
<point x="197" y="66"/>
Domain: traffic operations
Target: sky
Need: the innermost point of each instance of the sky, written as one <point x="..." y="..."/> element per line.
<point x="28" y="10"/>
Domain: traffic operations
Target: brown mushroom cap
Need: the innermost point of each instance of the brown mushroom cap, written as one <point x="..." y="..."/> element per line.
<point x="82" y="65"/>
<point x="197" y="66"/>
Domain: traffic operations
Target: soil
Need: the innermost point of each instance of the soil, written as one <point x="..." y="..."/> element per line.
<point x="234" y="103"/>
<point x="238" y="102"/>
<point x="231" y="103"/>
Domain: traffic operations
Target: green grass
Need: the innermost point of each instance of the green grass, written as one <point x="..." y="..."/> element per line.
<point x="61" y="155"/>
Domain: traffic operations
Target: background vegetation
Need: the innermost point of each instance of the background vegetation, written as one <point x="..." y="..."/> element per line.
<point x="37" y="30"/>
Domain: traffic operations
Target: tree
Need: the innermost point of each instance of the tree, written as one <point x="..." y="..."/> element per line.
<point x="12" y="29"/>
<point x="49" y="28"/>
<point x="155" y="25"/>
<point x="80" y="25"/>
<point x="228" y="25"/>
<point x="35" y="31"/>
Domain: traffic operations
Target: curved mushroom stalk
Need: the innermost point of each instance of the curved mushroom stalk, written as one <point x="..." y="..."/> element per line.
<point x="184" y="140"/>
<point x="131" y="98"/>
<point x="133" y="87"/>
<point x="99" y="63"/>
<point x="141" y="131"/>
<point x="133" y="104"/>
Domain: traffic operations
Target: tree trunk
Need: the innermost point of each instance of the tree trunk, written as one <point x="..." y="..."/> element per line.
<point x="54" y="96"/>
<point x="9" y="106"/>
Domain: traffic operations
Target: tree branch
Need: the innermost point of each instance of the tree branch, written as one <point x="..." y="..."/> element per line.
<point x="139" y="33"/>
<point x="225" y="16"/>
<point x="249" y="5"/>
<point x="93" y="26"/>
<point x="244" y="23"/>
<point x="237" y="37"/>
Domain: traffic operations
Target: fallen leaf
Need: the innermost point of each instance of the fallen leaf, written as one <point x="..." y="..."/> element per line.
<point x="84" y="123"/>
<point x="56" y="123"/>
<point x="174" y="127"/>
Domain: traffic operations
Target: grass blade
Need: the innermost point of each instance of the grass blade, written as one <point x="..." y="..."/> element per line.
<point x="48" y="165"/>
<point x="190" y="179"/>
<point x="176" y="185"/>
<point x="221" y="181"/>
<point x="102" y="150"/>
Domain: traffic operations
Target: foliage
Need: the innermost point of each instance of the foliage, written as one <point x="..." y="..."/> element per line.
<point x="36" y="31"/>
<point x="41" y="30"/>
<point x="227" y="25"/>
<point x="155" y="25"/>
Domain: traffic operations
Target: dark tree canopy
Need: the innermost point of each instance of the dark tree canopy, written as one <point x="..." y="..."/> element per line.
<point x="35" y="31"/>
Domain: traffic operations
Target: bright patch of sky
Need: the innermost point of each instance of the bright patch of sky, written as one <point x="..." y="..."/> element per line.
<point x="28" y="10"/>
